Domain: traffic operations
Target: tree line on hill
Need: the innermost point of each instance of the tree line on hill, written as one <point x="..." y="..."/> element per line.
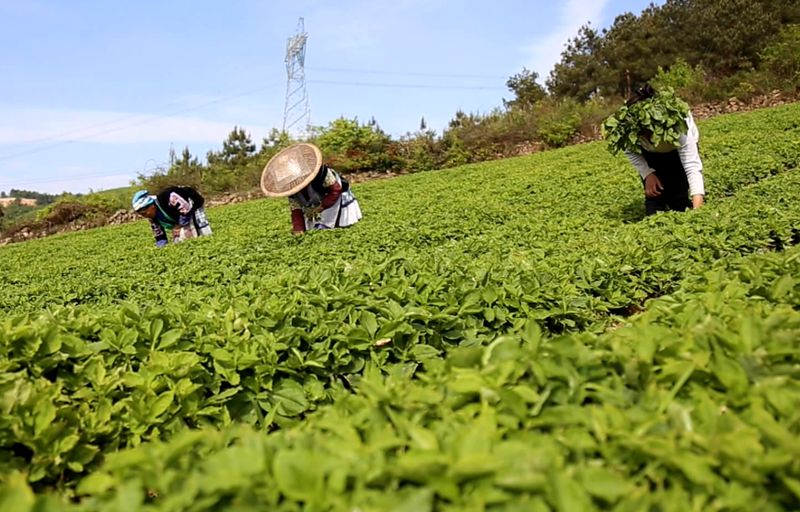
<point x="13" y="212"/>
<point x="40" y="197"/>
<point x="705" y="49"/>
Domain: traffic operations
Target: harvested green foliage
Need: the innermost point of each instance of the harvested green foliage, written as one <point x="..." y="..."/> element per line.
<point x="660" y="119"/>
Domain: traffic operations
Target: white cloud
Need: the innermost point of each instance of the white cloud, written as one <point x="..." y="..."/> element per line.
<point x="545" y="52"/>
<point x="32" y="128"/>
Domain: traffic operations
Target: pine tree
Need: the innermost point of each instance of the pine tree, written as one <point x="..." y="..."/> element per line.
<point x="237" y="148"/>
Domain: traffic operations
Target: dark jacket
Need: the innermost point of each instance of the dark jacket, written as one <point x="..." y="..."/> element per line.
<point x="178" y="203"/>
<point x="174" y="207"/>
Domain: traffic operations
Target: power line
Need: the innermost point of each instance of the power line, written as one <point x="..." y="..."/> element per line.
<point x="59" y="135"/>
<point x="67" y="178"/>
<point x="409" y="86"/>
<point x="151" y="119"/>
<point x="156" y="117"/>
<point x="404" y="73"/>
<point x="156" y="166"/>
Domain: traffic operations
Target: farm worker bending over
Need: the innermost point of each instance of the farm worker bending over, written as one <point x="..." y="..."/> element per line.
<point x="176" y="209"/>
<point x="319" y="198"/>
<point x="656" y="131"/>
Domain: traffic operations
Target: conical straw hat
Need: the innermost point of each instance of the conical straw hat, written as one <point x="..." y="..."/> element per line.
<point x="291" y="170"/>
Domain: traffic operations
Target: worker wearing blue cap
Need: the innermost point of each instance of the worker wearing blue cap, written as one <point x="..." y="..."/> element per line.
<point x="176" y="209"/>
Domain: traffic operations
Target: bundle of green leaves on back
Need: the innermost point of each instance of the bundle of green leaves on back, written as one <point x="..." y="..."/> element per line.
<point x="659" y="119"/>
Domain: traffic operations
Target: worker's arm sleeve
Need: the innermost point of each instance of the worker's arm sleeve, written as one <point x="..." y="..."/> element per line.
<point x="639" y="162"/>
<point x="690" y="158"/>
<point x="334" y="192"/>
<point x="159" y="234"/>
<point x="298" y="221"/>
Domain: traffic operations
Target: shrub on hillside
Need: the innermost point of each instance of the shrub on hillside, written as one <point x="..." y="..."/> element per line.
<point x="687" y="81"/>
<point x="71" y="210"/>
<point x="419" y="151"/>
<point x="781" y="60"/>
<point x="351" y="147"/>
<point x="473" y="138"/>
<point x="162" y="179"/>
<point x="558" y="121"/>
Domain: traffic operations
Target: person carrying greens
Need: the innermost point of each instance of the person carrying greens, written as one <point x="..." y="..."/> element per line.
<point x="657" y="133"/>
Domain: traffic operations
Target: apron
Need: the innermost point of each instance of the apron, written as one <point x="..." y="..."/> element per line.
<point x="344" y="212"/>
<point x="672" y="176"/>
<point x="198" y="225"/>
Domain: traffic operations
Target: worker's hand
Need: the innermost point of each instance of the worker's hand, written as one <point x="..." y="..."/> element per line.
<point x="697" y="201"/>
<point x="313" y="211"/>
<point x="652" y="186"/>
<point x="297" y="233"/>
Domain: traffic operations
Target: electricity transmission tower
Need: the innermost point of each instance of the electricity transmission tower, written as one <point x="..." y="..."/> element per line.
<point x="296" y="113"/>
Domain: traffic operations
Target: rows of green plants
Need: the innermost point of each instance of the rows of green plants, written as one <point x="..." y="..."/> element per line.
<point x="548" y="204"/>
<point x="692" y="406"/>
<point x="475" y="301"/>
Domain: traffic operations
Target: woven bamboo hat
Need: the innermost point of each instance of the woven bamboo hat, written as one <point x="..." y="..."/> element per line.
<point x="291" y="170"/>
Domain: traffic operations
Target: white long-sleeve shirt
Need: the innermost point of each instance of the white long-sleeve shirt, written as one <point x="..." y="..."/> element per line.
<point x="688" y="152"/>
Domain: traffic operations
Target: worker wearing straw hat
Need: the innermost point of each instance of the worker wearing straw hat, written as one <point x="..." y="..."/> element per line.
<point x="319" y="198"/>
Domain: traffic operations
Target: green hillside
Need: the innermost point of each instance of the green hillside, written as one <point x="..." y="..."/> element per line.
<point x="512" y="335"/>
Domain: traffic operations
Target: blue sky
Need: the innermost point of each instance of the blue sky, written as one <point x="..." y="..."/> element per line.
<point x="96" y="92"/>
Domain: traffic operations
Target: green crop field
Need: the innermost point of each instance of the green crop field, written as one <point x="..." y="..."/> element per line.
<point x="512" y="335"/>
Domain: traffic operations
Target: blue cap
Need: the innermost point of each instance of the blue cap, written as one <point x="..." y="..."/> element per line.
<point x="141" y="199"/>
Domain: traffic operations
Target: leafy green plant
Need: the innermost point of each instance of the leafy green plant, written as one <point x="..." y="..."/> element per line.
<point x="660" y="119"/>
